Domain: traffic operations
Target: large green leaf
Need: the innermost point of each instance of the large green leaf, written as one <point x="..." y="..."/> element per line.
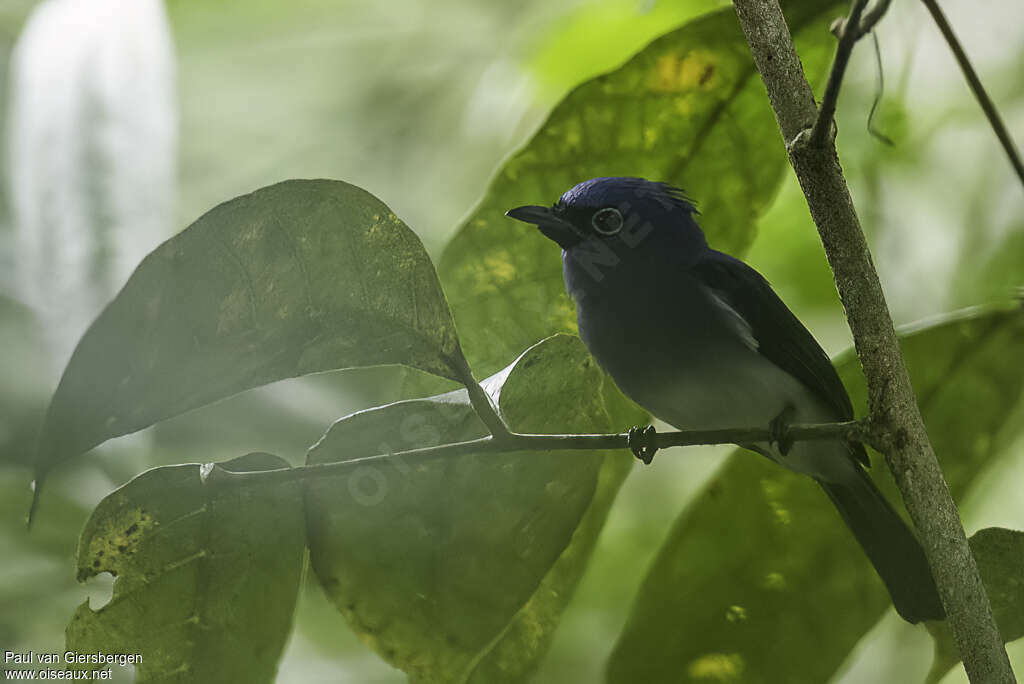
<point x="1000" y="557"/>
<point x="207" y="574"/>
<point x="689" y="109"/>
<point x="525" y="640"/>
<point x="457" y="569"/>
<point x="295" y="278"/>
<point x="760" y="569"/>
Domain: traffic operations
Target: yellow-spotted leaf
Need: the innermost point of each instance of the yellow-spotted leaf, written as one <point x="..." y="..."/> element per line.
<point x="207" y="574"/>
<point x="688" y="109"/>
<point x="295" y="278"/>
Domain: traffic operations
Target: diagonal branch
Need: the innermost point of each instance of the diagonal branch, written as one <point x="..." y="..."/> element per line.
<point x="846" y="30"/>
<point x="894" y="412"/>
<point x="855" y="26"/>
<point x="871" y="17"/>
<point x="980" y="94"/>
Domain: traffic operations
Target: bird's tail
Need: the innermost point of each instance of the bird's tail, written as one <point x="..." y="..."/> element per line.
<point x="890" y="545"/>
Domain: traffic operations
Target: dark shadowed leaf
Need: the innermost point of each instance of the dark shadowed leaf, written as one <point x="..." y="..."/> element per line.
<point x="207" y="575"/>
<point x="295" y="278"/>
<point x="761" y="568"/>
<point x="457" y="569"/>
<point x="515" y="657"/>
<point x="689" y="109"/>
<point x="1000" y="556"/>
<point x="525" y="640"/>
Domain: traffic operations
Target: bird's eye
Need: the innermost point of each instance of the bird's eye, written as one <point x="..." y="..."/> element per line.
<point x="607" y="221"/>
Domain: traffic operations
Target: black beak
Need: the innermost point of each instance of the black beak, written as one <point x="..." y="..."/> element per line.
<point x="532" y="214"/>
<point x="554" y="227"/>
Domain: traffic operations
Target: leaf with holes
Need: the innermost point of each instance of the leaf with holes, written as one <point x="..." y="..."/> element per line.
<point x="457" y="569"/>
<point x="761" y="567"/>
<point x="689" y="109"/>
<point x="295" y="278"/>
<point x="207" y="575"/>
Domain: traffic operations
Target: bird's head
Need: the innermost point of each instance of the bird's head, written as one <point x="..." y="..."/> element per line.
<point x="615" y="212"/>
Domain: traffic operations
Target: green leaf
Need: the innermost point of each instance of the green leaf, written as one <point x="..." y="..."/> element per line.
<point x="760" y="568"/>
<point x="1000" y="557"/>
<point x="526" y="639"/>
<point x="689" y="109"/>
<point x="457" y="569"/>
<point x="965" y="385"/>
<point x="207" y="574"/>
<point x="597" y="37"/>
<point x="295" y="278"/>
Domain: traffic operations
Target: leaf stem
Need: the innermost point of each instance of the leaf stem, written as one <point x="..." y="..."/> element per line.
<point x="512" y="441"/>
<point x="478" y="398"/>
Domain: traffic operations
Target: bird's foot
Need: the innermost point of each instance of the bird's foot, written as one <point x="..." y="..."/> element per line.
<point x="779" y="427"/>
<point x="642" y="442"/>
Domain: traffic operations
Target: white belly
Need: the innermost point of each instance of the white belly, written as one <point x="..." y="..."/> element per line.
<point x="692" y="367"/>
<point x="703" y="386"/>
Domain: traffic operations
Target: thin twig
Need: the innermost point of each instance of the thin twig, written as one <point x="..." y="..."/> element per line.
<point x="977" y="88"/>
<point x="855" y="26"/>
<point x="848" y="431"/>
<point x="848" y="34"/>
<point x="872" y="17"/>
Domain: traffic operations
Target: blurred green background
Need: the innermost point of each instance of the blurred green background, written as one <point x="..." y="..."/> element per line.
<point x="122" y="126"/>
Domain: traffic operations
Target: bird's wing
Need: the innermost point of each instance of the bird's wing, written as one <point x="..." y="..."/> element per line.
<point x="775" y="332"/>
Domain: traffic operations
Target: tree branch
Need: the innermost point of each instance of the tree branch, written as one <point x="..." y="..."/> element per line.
<point x="894" y="413"/>
<point x="872" y="17"/>
<point x="850" y="430"/>
<point x="980" y="94"/>
<point x="846" y="31"/>
<point x="855" y="26"/>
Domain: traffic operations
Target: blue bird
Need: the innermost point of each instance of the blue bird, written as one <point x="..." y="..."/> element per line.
<point x="700" y="340"/>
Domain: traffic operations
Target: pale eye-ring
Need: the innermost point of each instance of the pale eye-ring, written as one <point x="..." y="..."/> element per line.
<point x="607" y="221"/>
